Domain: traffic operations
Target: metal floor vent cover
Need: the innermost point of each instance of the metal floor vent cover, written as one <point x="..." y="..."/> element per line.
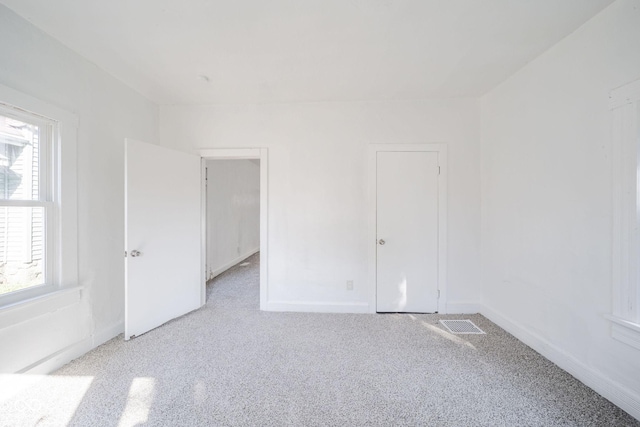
<point x="461" y="327"/>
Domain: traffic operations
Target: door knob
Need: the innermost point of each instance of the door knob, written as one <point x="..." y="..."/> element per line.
<point x="381" y="242"/>
<point x="135" y="253"/>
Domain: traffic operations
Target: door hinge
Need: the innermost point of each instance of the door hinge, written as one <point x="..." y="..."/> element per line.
<point x="438" y="170"/>
<point x="125" y="254"/>
<point x="438" y="293"/>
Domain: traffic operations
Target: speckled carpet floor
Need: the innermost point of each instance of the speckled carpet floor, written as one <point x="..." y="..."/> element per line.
<point x="228" y="364"/>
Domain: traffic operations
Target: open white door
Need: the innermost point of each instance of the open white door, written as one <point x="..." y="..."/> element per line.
<point x="163" y="277"/>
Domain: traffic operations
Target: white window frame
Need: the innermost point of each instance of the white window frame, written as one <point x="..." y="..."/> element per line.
<point x="46" y="200"/>
<point x="625" y="114"/>
<point x="62" y="219"/>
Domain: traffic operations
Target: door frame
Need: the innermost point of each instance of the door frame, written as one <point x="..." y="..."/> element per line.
<point x="372" y="239"/>
<point x="240" y="154"/>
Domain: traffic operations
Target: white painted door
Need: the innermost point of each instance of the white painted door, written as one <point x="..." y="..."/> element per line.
<point x="163" y="278"/>
<point x="407" y="232"/>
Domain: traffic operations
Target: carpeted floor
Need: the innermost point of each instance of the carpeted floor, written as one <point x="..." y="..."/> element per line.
<point x="230" y="364"/>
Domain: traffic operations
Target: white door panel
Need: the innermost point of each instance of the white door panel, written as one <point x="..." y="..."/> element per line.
<point x="162" y="223"/>
<point x="407" y="232"/>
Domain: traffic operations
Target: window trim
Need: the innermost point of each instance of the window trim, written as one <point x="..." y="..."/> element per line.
<point x="46" y="199"/>
<point x="62" y="246"/>
<point x="625" y="114"/>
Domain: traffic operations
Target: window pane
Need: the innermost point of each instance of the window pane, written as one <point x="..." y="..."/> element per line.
<point x="21" y="248"/>
<point x="19" y="159"/>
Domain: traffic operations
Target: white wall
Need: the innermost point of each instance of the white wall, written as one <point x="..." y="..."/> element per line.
<point x="36" y="64"/>
<point x="318" y="186"/>
<point x="547" y="196"/>
<point x="233" y="212"/>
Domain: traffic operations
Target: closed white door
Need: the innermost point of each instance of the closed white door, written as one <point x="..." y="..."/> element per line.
<point x="163" y="266"/>
<point x="407" y="232"/>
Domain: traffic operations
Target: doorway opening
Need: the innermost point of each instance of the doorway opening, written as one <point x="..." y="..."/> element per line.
<point x="234" y="212"/>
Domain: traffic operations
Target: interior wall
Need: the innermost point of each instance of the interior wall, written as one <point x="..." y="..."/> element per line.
<point x="547" y="198"/>
<point x="108" y="111"/>
<point x="317" y="182"/>
<point x="233" y="213"/>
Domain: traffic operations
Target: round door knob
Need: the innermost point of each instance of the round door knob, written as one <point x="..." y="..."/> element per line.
<point x="381" y="242"/>
<point x="135" y="253"/>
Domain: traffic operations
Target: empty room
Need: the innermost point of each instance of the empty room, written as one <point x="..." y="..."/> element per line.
<point x="363" y="212"/>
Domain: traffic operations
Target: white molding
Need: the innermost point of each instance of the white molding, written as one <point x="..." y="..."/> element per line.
<point x="318" y="307"/>
<point x="65" y="233"/>
<point x="36" y="106"/>
<point x="204" y="278"/>
<point x="443" y="241"/>
<point x="626" y="335"/>
<point x="441" y="149"/>
<point x="371" y="227"/>
<point x="231" y="153"/>
<point x="263" y="155"/>
<point x="227" y="265"/>
<point x="633" y="326"/>
<point x="108" y="333"/>
<point x="264" y="228"/>
<point x="67" y="354"/>
<point x="462" y="307"/>
<point x="625" y="249"/>
<point x="620" y="395"/>
<point x="625" y="331"/>
<point x="28" y="309"/>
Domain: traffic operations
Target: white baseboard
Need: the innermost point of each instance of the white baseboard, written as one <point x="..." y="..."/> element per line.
<point x="67" y="354"/>
<point x="318" y="307"/>
<point x="621" y="396"/>
<point x="107" y="334"/>
<point x="462" y="307"/>
<point x="218" y="271"/>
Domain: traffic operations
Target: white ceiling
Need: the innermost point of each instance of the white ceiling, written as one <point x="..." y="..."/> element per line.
<point x="308" y="50"/>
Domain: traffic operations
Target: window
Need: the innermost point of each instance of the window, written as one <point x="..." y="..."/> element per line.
<point x="625" y="110"/>
<point x="27" y="208"/>
<point x="38" y="209"/>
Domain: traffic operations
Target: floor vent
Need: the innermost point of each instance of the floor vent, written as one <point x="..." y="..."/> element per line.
<point x="461" y="327"/>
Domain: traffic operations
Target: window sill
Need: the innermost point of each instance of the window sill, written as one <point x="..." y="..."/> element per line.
<point x="22" y="311"/>
<point x="625" y="331"/>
